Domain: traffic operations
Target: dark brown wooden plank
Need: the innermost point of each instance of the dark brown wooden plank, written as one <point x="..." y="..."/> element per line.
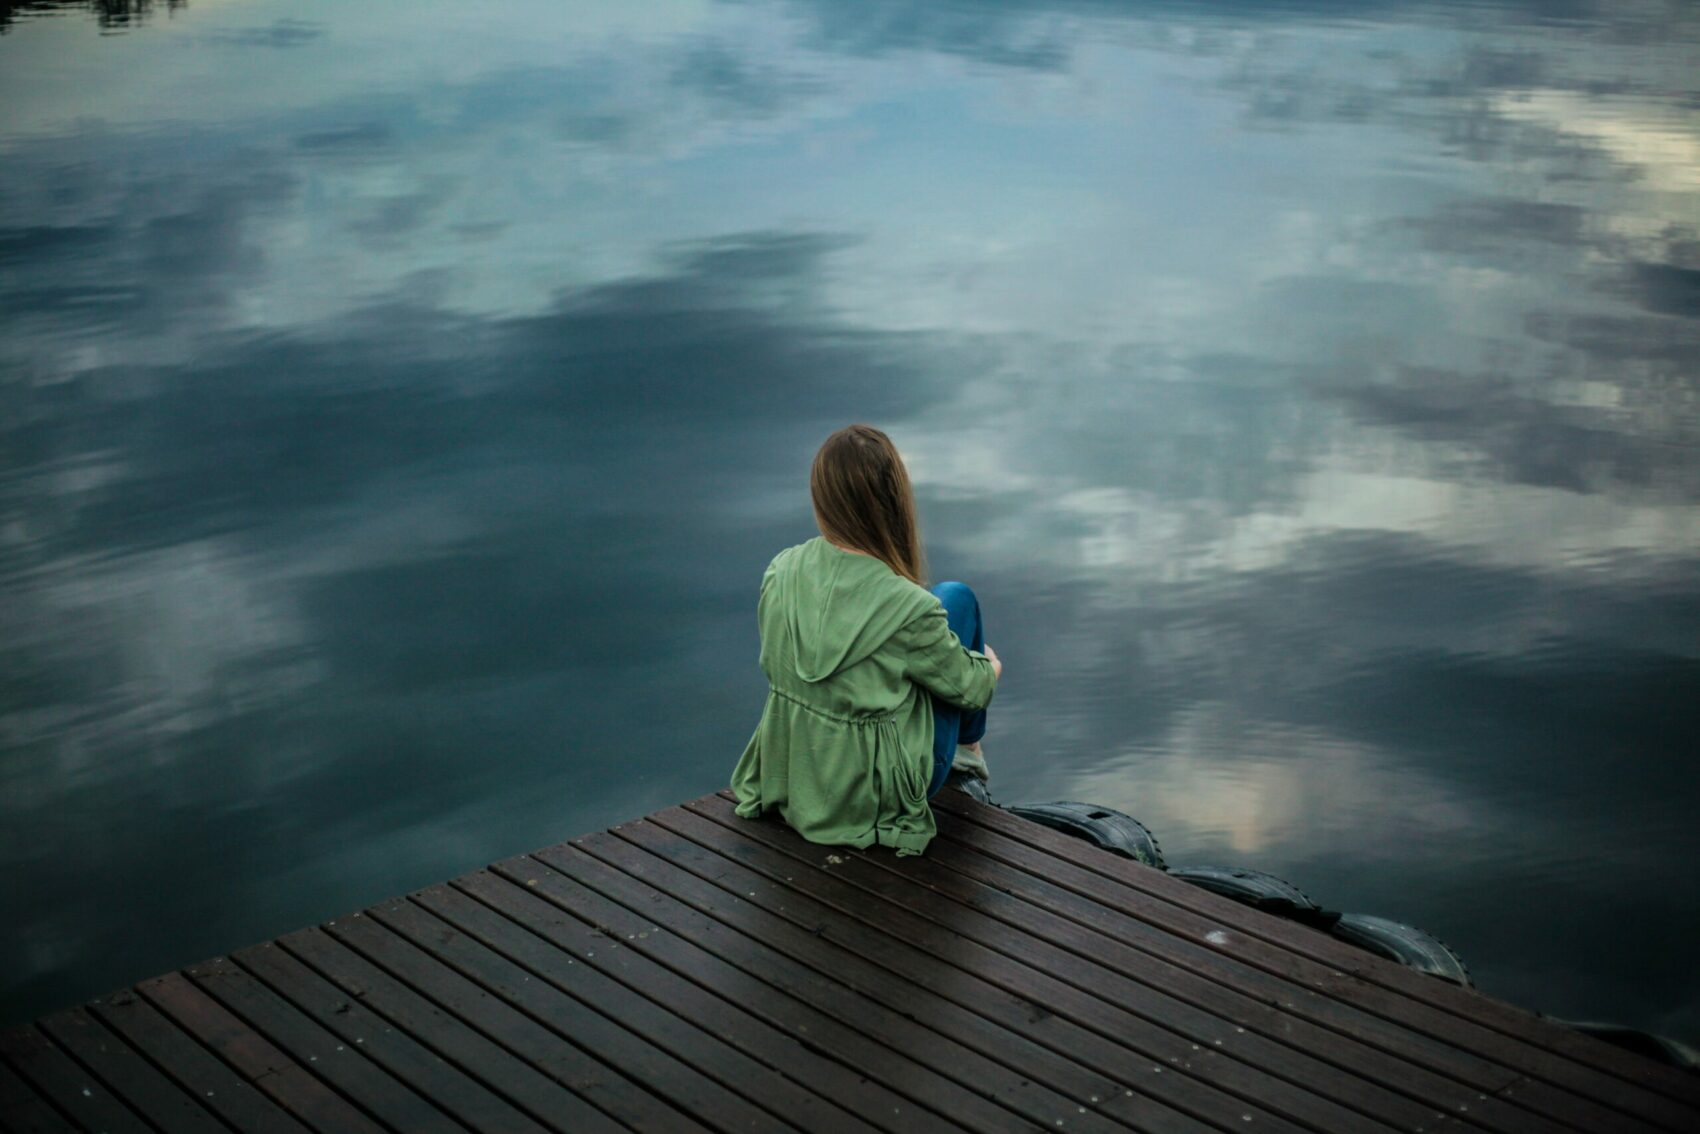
<point x="457" y="1038"/>
<point x="1492" y="1028"/>
<point x="856" y="884"/>
<point x="720" y="1052"/>
<point x="898" y="1092"/>
<point x="1086" y="1029"/>
<point x="1399" y="1057"/>
<point x="611" y="1091"/>
<point x="886" y="1044"/>
<point x="192" y="1066"/>
<point x="1404" y="1096"/>
<point x="1461" y="1017"/>
<point x="253" y="1057"/>
<point x="1471" y="1020"/>
<point x="453" y="1091"/>
<point x="138" y="1082"/>
<point x="678" y="1089"/>
<point x="66" y="1083"/>
<point x="1277" y="995"/>
<point x="838" y="1082"/>
<point x="24" y="1111"/>
<point x="1011" y="1039"/>
<point x="705" y="1077"/>
<point x="341" y="1065"/>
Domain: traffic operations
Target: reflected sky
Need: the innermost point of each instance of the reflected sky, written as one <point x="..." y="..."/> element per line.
<point x="401" y="401"/>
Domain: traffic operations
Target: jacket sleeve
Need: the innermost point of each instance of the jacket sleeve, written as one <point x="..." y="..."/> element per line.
<point x="936" y="660"/>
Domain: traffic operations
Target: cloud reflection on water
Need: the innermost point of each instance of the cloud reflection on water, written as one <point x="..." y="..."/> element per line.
<point x="390" y="459"/>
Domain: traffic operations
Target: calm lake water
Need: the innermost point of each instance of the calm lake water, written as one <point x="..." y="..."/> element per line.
<point x="401" y="401"/>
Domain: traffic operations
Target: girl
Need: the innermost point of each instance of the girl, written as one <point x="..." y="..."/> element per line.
<point x="872" y="695"/>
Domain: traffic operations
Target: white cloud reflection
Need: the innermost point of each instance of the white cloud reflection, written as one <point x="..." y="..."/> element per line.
<point x="1218" y="784"/>
<point x="191" y="633"/>
<point x="1660" y="144"/>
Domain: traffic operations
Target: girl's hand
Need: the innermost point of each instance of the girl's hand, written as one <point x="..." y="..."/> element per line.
<point x="997" y="666"/>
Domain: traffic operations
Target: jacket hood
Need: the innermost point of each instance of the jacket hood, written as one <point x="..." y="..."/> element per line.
<point x="837" y="607"/>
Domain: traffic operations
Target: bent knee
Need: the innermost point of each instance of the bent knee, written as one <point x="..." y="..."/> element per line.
<point x="953" y="589"/>
<point x="956" y="596"/>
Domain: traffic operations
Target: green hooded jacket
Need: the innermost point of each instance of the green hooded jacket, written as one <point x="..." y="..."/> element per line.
<point x="851" y="649"/>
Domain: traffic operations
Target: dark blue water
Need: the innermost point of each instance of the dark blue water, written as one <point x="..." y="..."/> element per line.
<point x="399" y="402"/>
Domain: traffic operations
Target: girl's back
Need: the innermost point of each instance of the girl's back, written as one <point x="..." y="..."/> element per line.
<point x="855" y="651"/>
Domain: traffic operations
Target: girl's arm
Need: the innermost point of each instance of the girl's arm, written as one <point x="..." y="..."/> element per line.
<point x="937" y="661"/>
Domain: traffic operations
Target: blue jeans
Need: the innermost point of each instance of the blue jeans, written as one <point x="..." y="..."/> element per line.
<point x="951" y="725"/>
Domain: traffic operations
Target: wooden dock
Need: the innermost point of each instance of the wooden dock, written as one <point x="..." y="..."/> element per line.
<point x="694" y="971"/>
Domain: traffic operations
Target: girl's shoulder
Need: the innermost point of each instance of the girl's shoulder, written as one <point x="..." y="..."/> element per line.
<point x="816" y="567"/>
<point x="788" y="556"/>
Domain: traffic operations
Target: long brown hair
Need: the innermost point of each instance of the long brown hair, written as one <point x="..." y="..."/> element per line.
<point x="863" y="499"/>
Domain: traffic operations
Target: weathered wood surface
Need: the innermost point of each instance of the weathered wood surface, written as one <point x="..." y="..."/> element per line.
<point x="694" y="971"/>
